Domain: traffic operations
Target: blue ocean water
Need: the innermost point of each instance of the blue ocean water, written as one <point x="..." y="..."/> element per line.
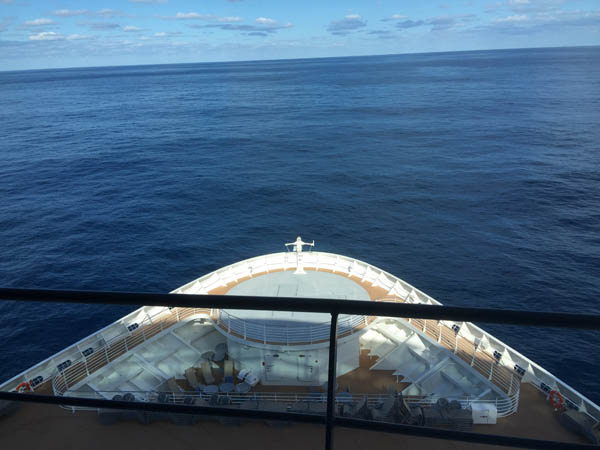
<point x="474" y="176"/>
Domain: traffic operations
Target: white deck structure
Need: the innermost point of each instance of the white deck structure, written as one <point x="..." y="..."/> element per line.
<point x="142" y="351"/>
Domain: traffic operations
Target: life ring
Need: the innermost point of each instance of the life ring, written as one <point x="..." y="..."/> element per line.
<point x="23" y="387"/>
<point x="557" y="400"/>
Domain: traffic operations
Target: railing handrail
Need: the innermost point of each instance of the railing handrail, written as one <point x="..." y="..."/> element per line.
<point x="253" y="329"/>
<point x="505" y="406"/>
<point x="60" y="383"/>
<point x="322" y="305"/>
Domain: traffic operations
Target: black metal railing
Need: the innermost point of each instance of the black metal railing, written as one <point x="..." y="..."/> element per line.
<point x="333" y="307"/>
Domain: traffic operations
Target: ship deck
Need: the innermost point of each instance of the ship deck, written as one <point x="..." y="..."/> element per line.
<point x="535" y="417"/>
<point x="480" y="360"/>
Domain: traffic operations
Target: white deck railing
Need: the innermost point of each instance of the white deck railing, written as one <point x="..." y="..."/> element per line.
<point x="504" y="406"/>
<point x="109" y="351"/>
<point x="289" y="334"/>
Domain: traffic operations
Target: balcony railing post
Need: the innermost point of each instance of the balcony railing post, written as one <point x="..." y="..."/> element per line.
<point x="331" y="381"/>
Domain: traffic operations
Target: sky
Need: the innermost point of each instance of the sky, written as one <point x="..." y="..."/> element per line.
<point x="36" y="34"/>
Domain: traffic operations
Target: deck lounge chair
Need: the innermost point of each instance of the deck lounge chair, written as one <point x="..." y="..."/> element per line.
<point x="441" y="414"/>
<point x="407" y="414"/>
<point x="228" y="371"/>
<point x="359" y="409"/>
<point x="387" y="409"/>
<point x="173" y="386"/>
<point x="207" y="372"/>
<point x="190" y="375"/>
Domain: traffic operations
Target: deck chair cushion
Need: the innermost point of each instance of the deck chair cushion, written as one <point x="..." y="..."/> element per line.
<point x="228" y="368"/>
<point x="173" y="386"/>
<point x="190" y="375"/>
<point x="207" y="373"/>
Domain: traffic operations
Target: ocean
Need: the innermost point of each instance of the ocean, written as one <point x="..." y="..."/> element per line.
<point x="474" y="176"/>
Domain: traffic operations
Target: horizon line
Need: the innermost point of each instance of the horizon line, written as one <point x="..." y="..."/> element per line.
<point x="300" y="59"/>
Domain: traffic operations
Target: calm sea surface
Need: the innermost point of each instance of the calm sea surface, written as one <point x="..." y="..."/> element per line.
<point x="474" y="176"/>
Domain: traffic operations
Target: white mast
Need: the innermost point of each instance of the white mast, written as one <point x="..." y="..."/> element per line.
<point x="298" y="249"/>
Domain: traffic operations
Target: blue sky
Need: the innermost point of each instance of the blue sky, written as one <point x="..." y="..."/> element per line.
<point x="66" y="33"/>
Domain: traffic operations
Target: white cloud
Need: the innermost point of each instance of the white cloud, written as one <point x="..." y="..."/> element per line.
<point x="107" y="12"/>
<point x="450" y="22"/>
<point x="77" y="37"/>
<point x="406" y="24"/>
<point x="263" y="26"/>
<point x="106" y="26"/>
<point x="192" y="16"/>
<point x="206" y="17"/>
<point x="546" y="20"/>
<point x="394" y="17"/>
<point x="521" y="6"/>
<point x="265" y="21"/>
<point x="513" y="18"/>
<point x="131" y="28"/>
<point x="348" y="24"/>
<point x="162" y="34"/>
<point x="69" y="12"/>
<point x="38" y="22"/>
<point x="230" y="19"/>
<point x="46" y="36"/>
